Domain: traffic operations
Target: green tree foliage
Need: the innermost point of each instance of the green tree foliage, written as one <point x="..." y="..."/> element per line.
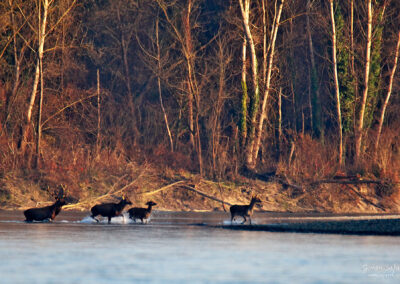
<point x="375" y="81"/>
<point x="346" y="84"/>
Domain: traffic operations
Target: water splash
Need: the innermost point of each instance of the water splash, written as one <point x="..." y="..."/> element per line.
<point x="238" y="221"/>
<point x="122" y="219"/>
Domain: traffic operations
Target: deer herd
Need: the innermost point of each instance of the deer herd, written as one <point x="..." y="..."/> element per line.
<point x="110" y="210"/>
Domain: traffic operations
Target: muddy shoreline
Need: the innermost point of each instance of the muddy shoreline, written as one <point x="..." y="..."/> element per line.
<point x="373" y="226"/>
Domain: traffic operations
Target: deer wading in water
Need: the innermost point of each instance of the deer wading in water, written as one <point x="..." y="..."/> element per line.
<point x="244" y="210"/>
<point x="109" y="209"/>
<point x="48" y="212"/>
<point x="141" y="213"/>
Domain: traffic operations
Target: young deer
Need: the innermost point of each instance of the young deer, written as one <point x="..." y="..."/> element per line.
<point x="109" y="209"/>
<point x="244" y="210"/>
<point x="141" y="213"/>
<point x="48" y="212"/>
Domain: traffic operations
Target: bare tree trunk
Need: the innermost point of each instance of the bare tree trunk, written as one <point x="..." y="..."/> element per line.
<point x="41" y="39"/>
<point x="245" y="10"/>
<point x="17" y="60"/>
<point x="280" y="117"/>
<point x="217" y="109"/>
<point x="190" y="117"/>
<point x="98" y="138"/>
<point x="389" y="92"/>
<point x="315" y="112"/>
<point x="185" y="39"/>
<point x="159" y="87"/>
<point x="310" y="99"/>
<point x="125" y="48"/>
<point x="263" y="114"/>
<point x="292" y="78"/>
<point x="243" y="113"/>
<point x="353" y="68"/>
<point x="193" y="89"/>
<point x="334" y="61"/>
<point x="360" y="124"/>
<point x="39" y="119"/>
<point x="265" y="48"/>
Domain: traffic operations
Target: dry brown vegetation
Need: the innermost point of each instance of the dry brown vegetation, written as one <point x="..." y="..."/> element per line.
<point x="90" y="179"/>
<point x="160" y="99"/>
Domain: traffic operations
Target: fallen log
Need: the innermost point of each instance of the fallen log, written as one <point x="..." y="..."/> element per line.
<point x="162" y="188"/>
<point x="181" y="185"/>
<point x="205" y="195"/>
<point x="366" y="200"/>
<point x="286" y="183"/>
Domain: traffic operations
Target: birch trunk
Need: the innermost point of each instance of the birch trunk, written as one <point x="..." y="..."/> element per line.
<point x="360" y="125"/>
<point x="334" y="61"/>
<point x="46" y="5"/>
<point x="263" y="114"/>
<point x="245" y="10"/>
<point x="353" y="68"/>
<point x="41" y="40"/>
<point x="39" y="118"/>
<point x="389" y="92"/>
<point x="186" y="42"/>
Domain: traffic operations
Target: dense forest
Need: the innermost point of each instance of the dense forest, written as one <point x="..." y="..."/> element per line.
<point x="303" y="89"/>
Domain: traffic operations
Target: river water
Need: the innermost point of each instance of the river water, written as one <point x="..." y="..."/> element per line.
<point x="173" y="248"/>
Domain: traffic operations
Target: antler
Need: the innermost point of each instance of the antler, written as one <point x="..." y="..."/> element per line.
<point x="61" y="189"/>
<point x="59" y="192"/>
<point x="52" y="194"/>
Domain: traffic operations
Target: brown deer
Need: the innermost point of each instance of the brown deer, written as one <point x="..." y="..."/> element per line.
<point x="141" y="213"/>
<point x="109" y="209"/>
<point x="244" y="210"/>
<point x="46" y="213"/>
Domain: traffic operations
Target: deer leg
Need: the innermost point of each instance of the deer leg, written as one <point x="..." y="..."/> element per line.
<point x="94" y="218"/>
<point x="250" y="220"/>
<point x="109" y="220"/>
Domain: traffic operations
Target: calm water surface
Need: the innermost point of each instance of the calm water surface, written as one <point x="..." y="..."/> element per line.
<point x="170" y="249"/>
